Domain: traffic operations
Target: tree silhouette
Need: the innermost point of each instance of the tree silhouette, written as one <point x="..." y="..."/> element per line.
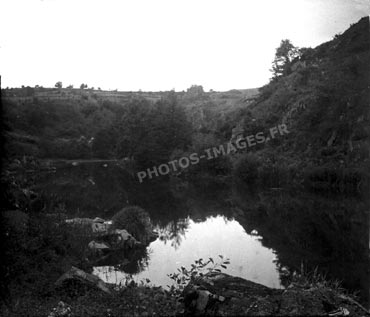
<point x="59" y="84"/>
<point x="284" y="55"/>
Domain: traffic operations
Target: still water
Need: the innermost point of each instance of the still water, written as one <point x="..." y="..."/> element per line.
<point x="212" y="237"/>
<point x="266" y="233"/>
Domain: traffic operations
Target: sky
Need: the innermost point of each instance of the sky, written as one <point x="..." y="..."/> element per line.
<point x="157" y="45"/>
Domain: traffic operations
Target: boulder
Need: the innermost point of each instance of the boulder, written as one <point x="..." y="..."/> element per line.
<point x="120" y="239"/>
<point x="86" y="279"/>
<point x="98" y="220"/>
<point x="115" y="240"/>
<point x="97" y="226"/>
<point x="126" y="238"/>
<point x="219" y="294"/>
<point x="98" y="246"/>
<point x="80" y="221"/>
<point x="100" y="227"/>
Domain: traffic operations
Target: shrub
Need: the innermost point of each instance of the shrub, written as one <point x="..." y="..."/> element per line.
<point x="197" y="270"/>
<point x="135" y="220"/>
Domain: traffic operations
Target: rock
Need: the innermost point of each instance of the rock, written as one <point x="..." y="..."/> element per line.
<point x="98" y="247"/>
<point x="97" y="225"/>
<point x="222" y="294"/>
<point x="113" y="241"/>
<point x="124" y="239"/>
<point x="80" y="221"/>
<point x="100" y="227"/>
<point x="98" y="220"/>
<point x="202" y="300"/>
<point x="219" y="294"/>
<point x="125" y="236"/>
<point x="86" y="279"/>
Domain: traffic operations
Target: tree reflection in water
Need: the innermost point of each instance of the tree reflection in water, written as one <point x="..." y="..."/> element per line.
<point x="173" y="232"/>
<point x="119" y="267"/>
<point x="312" y="231"/>
<point x="330" y="233"/>
<point x="131" y="262"/>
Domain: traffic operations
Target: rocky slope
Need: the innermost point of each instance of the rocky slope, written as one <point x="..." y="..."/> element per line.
<point x="324" y="100"/>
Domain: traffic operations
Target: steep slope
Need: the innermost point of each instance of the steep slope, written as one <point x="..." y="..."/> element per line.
<point x="325" y="100"/>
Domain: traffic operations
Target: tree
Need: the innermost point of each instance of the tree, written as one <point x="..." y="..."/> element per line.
<point x="70" y="87"/>
<point x="150" y="133"/>
<point x="133" y="127"/>
<point x="59" y="84"/>
<point x="105" y="143"/>
<point x="284" y="55"/>
<point x="83" y="86"/>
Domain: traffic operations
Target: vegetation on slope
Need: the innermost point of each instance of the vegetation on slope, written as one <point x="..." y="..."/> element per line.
<point x="323" y="97"/>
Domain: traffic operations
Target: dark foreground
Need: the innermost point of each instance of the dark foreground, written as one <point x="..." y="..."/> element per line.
<point x="214" y="294"/>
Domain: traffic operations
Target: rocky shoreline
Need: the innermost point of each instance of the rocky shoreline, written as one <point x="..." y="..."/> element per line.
<point x="217" y="294"/>
<point x="224" y="295"/>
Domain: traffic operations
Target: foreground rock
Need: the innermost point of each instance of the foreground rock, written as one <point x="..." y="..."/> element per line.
<point x="83" y="279"/>
<point x="219" y="294"/>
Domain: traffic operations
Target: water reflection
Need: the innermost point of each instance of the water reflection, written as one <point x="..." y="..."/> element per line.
<point x="216" y="235"/>
<point x="173" y="232"/>
<point x="313" y="231"/>
<point x="196" y="220"/>
<point x="133" y="262"/>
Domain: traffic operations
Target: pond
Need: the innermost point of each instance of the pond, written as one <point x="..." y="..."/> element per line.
<point x="266" y="233"/>
<point x="212" y="237"/>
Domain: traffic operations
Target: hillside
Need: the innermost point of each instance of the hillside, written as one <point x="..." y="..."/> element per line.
<point x="325" y="100"/>
<point x="63" y="122"/>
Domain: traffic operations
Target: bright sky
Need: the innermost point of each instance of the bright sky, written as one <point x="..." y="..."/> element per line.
<point x="159" y="44"/>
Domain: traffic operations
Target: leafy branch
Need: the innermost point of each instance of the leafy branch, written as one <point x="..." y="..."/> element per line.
<point x="200" y="267"/>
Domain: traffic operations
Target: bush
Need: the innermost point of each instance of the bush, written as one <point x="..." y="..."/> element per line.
<point x="135" y="220"/>
<point x="197" y="270"/>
